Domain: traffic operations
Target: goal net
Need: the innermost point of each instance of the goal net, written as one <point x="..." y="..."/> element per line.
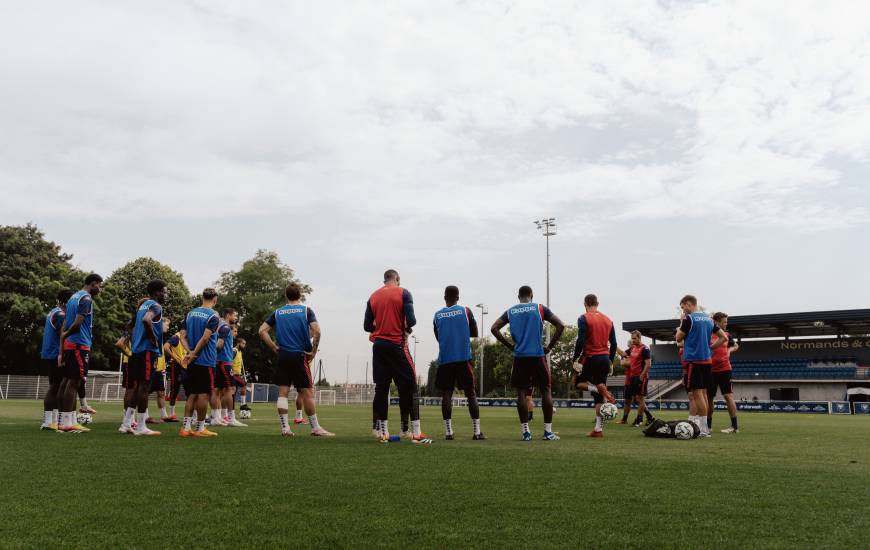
<point x="326" y="397"/>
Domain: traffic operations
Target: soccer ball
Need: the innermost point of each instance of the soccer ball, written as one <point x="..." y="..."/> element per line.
<point x="84" y="418"/>
<point x="244" y="414"/>
<point x="684" y="431"/>
<point x="608" y="412"/>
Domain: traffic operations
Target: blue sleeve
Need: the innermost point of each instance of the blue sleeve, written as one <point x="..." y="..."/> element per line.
<point x="547" y="313"/>
<point x="613" y="344"/>
<point x="86" y="305"/>
<point x="369" y="321"/>
<point x="213" y="323"/>
<point x="224" y="330"/>
<point x="156" y="310"/>
<point x="408" y="305"/>
<point x="312" y="318"/>
<point x="581" y="337"/>
<point x="270" y="320"/>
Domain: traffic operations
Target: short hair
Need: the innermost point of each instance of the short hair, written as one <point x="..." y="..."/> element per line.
<point x="636" y="333"/>
<point x="719" y="315"/>
<point x="228" y="311"/>
<point x="451" y="292"/>
<point x="155" y="286"/>
<point x="64" y="295"/>
<point x="241" y="340"/>
<point x="293" y="291"/>
<point x="391" y="275"/>
<point x="590" y="300"/>
<point x="689" y="299"/>
<point x="525" y="291"/>
<point x="93" y="278"/>
<point x="209" y="294"/>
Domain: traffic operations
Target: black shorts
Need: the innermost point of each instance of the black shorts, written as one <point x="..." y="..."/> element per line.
<point x="455" y="375"/>
<point x="595" y="371"/>
<point x="76" y="362"/>
<point x="223" y="376"/>
<point x="638" y="386"/>
<point x="200" y="379"/>
<point x="158" y="382"/>
<point x="697" y="376"/>
<point x="173" y="371"/>
<point x="720" y="381"/>
<point x="392" y="363"/>
<point x="55" y="373"/>
<point x="530" y="371"/>
<point x="292" y="369"/>
<point x="140" y="368"/>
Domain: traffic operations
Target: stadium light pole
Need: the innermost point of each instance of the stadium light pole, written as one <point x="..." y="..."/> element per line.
<point x="482" y="339"/>
<point x="414" y="337"/>
<point x="547" y="226"/>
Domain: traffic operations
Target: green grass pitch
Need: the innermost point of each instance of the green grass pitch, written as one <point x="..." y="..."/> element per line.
<point x="788" y="481"/>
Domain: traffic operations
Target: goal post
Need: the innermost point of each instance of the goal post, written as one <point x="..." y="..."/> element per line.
<point x="325" y="397"/>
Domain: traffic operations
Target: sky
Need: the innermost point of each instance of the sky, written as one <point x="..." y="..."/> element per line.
<point x="719" y="149"/>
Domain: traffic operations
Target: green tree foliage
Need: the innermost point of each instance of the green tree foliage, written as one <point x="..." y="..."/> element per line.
<point x="255" y="291"/>
<point x="429" y="389"/>
<point x="130" y="281"/>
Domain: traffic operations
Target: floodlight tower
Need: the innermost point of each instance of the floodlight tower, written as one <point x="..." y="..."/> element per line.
<point x="482" y="339"/>
<point x="414" y="337"/>
<point x="547" y="226"/>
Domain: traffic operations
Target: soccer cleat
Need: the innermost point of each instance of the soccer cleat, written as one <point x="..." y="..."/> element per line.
<point x="49" y="427"/>
<point x="236" y="424"/>
<point x="244" y="408"/>
<point x="602" y="389"/>
<point x="81" y="428"/>
<point x="134" y="424"/>
<point x="206" y="433"/>
<point x="172" y="418"/>
<point x="705" y="435"/>
<point x="527" y="436"/>
<point x="88" y="410"/>
<point x="376" y="434"/>
<point x="636" y="424"/>
<point x="406" y="435"/>
<point x="550" y="436"/>
<point x="478" y="437"/>
<point x="595" y="434"/>
<point x="421" y="440"/>
<point x="150" y="420"/>
<point x="122" y="429"/>
<point x="730" y="430"/>
<point x="68" y="430"/>
<point x="187" y="433"/>
<point x="287" y="432"/>
<point x="621" y="421"/>
<point x="648" y="421"/>
<point x="298" y="421"/>
<point x="145" y="431"/>
<point x="321" y="432"/>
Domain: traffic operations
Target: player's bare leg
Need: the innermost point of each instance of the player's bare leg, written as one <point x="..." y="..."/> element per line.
<point x="311" y="411"/>
<point x="473" y="411"/>
<point x="732" y="412"/>
<point x="300" y="408"/>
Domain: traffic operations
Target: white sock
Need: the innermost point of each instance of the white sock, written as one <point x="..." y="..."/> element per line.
<point x="385" y="427"/>
<point x="187" y="422"/>
<point x="146" y="413"/>
<point x="47" y="417"/>
<point x="55" y="416"/>
<point x="200" y="426"/>
<point x="171" y="410"/>
<point x="475" y="425"/>
<point x="598" y="426"/>
<point x="415" y="427"/>
<point x="195" y="416"/>
<point x="140" y="418"/>
<point x="548" y="427"/>
<point x="525" y="427"/>
<point x="312" y="420"/>
<point x="233" y="415"/>
<point x="163" y="412"/>
<point x="285" y="423"/>
<point x="84" y="402"/>
<point x="592" y="388"/>
<point x="244" y="399"/>
<point x="128" y="415"/>
<point x="448" y="426"/>
<point x="298" y="414"/>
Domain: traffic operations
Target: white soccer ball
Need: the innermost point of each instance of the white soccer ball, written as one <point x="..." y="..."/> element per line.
<point x="84" y="418"/>
<point x="684" y="431"/>
<point x="244" y="414"/>
<point x="608" y="412"/>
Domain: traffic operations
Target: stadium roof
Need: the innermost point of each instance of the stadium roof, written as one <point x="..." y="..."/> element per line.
<point x="777" y="325"/>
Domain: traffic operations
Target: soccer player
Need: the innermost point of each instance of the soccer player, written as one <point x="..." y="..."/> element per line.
<point x="226" y="384"/>
<point x="174" y="352"/>
<point x="454" y="327"/>
<point x="74" y="353"/>
<point x="696" y="330"/>
<point x="628" y="397"/>
<point x="721" y="375"/>
<point x="389" y="319"/>
<point x="158" y="381"/>
<point x="298" y="335"/>
<point x="595" y="349"/>
<point x="147" y="345"/>
<point x="641" y="360"/>
<point x="239" y="373"/>
<point x="526" y="320"/>
<point x="50" y="341"/>
<point x="200" y="335"/>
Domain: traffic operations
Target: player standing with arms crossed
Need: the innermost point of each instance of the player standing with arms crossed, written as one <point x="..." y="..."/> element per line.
<point x="454" y="327"/>
<point x="298" y="335"/>
<point x="721" y="375"/>
<point x="526" y="320"/>
<point x="595" y="349"/>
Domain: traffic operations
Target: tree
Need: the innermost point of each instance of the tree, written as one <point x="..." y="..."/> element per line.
<point x="130" y="280"/>
<point x="429" y="389"/>
<point x="255" y="291"/>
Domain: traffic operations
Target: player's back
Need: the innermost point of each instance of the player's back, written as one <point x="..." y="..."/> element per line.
<point x="697" y="340"/>
<point x="51" y="336"/>
<point x="292" y="324"/>
<point x="80" y="303"/>
<point x="140" y="341"/>
<point x="225" y="331"/>
<point x="527" y="327"/>
<point x="453" y="327"/>
<point x="389" y="308"/>
<point x="197" y="321"/>
<point x="598" y="330"/>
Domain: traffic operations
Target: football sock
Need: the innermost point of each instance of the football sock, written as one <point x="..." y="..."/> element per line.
<point x="243" y="398"/>
<point x="285" y="422"/>
<point x="163" y="413"/>
<point x="448" y="426"/>
<point x="475" y="425"/>
<point x="384" y="427"/>
<point x="734" y="422"/>
<point x="312" y="420"/>
<point x="187" y="423"/>
<point x="637" y="419"/>
<point x="128" y="415"/>
<point x="55" y="416"/>
<point x="531" y="414"/>
<point x="171" y="410"/>
<point x="525" y="427"/>
<point x="548" y="427"/>
<point x="200" y="425"/>
<point x="592" y="388"/>
<point x="298" y="414"/>
<point x="140" y="418"/>
<point x="47" y="417"/>
<point x="233" y="415"/>
<point x="648" y="415"/>
<point x="84" y="402"/>
<point x="597" y="423"/>
<point x="415" y="426"/>
<point x="709" y="422"/>
<point x="376" y="425"/>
